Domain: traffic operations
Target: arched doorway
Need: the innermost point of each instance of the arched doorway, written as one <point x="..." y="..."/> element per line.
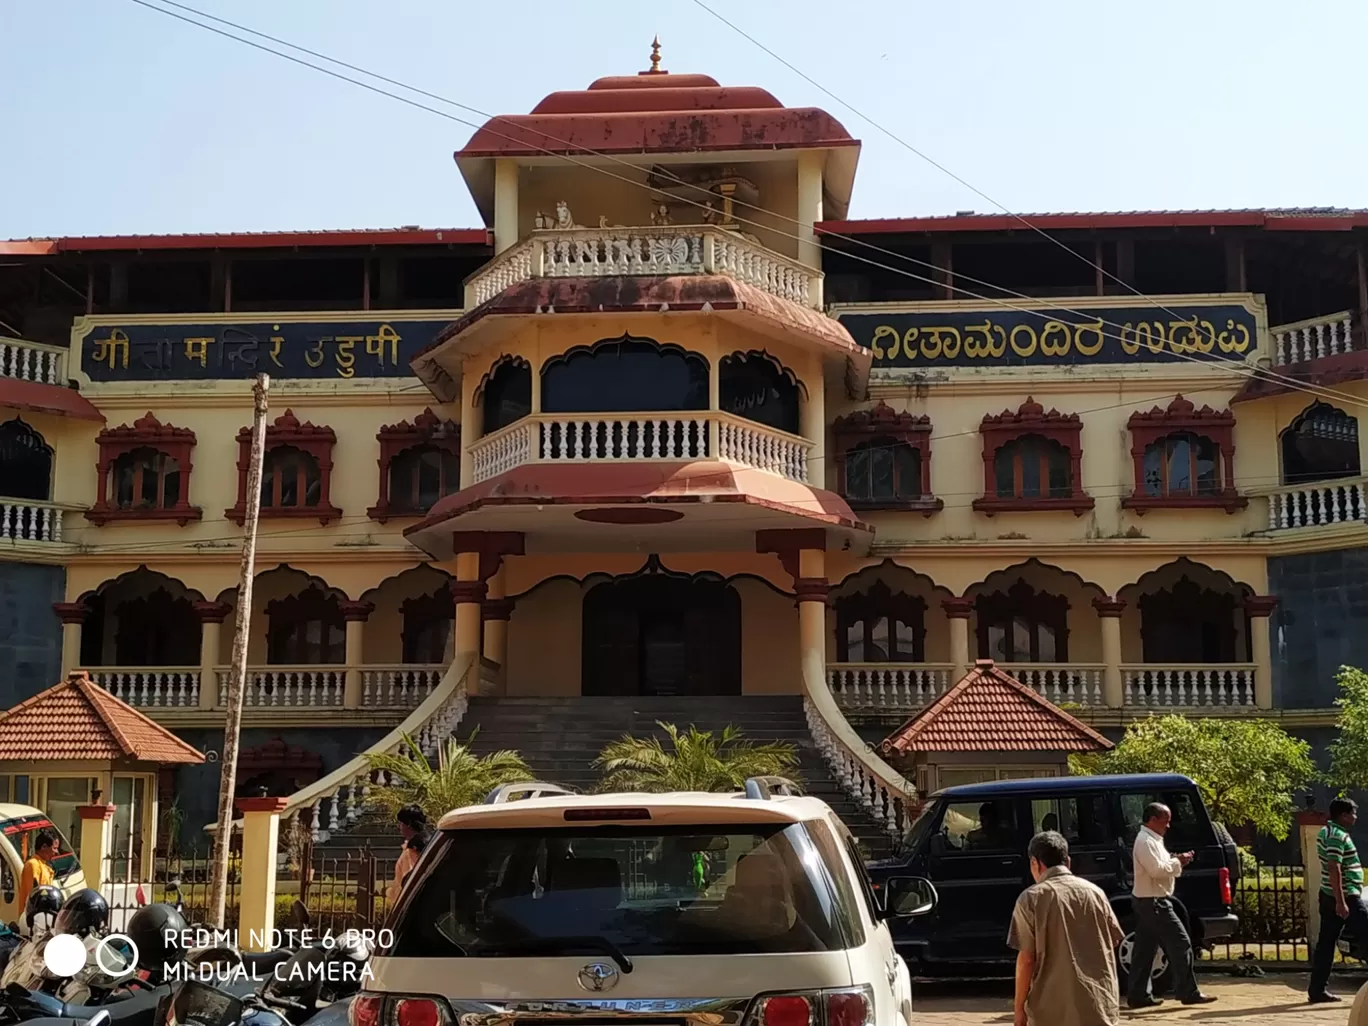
<point x="662" y="634"/>
<point x="25" y="462"/>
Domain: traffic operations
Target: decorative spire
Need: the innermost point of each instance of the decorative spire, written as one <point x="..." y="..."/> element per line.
<point x="655" y="58"/>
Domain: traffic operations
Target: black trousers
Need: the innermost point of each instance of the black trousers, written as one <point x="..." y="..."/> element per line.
<point x="1331" y="926"/>
<point x="1157" y="926"/>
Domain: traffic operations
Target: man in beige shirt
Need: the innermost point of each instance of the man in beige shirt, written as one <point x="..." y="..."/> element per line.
<point x="1065" y="935"/>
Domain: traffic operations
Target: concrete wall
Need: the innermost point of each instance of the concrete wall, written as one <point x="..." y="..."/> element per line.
<point x="30" y="636"/>
<point x="1318" y="625"/>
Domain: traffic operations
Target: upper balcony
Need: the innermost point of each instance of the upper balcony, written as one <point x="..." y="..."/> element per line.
<point x="34" y="379"/>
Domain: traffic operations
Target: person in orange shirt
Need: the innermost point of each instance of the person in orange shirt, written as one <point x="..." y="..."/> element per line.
<point x="38" y="869"/>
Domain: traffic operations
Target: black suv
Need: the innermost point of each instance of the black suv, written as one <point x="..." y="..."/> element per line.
<point x="970" y="841"/>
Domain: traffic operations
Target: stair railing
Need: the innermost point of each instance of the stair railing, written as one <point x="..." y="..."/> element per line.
<point x="336" y="801"/>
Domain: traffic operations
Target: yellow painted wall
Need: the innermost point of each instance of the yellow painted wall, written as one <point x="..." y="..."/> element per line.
<point x="544" y="641"/>
<point x="770" y="663"/>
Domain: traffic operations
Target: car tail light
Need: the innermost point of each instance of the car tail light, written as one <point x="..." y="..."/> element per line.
<point x="365" y="1010"/>
<point x="786" y="1010"/>
<point x="847" y="1008"/>
<point x="417" y="1012"/>
<point x="1227" y="898"/>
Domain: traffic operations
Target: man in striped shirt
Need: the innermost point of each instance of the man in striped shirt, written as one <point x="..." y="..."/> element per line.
<point x="1341" y="894"/>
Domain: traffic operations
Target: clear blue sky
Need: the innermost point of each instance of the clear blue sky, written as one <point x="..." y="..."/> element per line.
<point x="119" y="120"/>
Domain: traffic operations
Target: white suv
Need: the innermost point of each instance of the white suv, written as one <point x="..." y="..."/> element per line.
<point x="684" y="909"/>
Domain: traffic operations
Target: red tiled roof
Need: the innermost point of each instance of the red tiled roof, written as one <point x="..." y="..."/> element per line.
<point x="78" y="719"/>
<point x="408" y="236"/>
<point x="40" y="397"/>
<point x="1316" y="219"/>
<point x="990" y="711"/>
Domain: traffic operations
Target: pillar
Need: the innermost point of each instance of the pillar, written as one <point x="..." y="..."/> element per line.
<point x="354" y="614"/>
<point x="811" y="588"/>
<point x="1309" y="823"/>
<point x="468" y="595"/>
<point x="813" y="414"/>
<point x="72" y="615"/>
<point x="1260" y="608"/>
<point x="1109" y="617"/>
<point x="494" y="616"/>
<point x="94" y="843"/>
<point x="505" y="204"/>
<point x="957" y="612"/>
<point x="256" y="896"/>
<point x="809" y="213"/>
<point x="211" y="616"/>
<point x="471" y="429"/>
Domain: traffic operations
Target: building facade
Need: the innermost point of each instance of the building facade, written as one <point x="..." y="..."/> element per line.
<point x="671" y="425"/>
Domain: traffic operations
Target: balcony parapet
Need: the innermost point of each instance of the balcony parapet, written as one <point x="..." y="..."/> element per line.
<point x="32" y="361"/>
<point x="1315" y="338"/>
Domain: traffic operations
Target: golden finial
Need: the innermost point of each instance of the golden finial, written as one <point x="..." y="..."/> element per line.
<point x="655" y="57"/>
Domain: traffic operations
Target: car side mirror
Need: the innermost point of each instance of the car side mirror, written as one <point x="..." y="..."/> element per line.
<point x="907" y="897"/>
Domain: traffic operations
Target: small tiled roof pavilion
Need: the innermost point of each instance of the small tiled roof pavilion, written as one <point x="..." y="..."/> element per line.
<point x="988" y="721"/>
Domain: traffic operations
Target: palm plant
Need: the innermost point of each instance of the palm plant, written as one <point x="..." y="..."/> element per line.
<point x="459" y="778"/>
<point x="692" y="760"/>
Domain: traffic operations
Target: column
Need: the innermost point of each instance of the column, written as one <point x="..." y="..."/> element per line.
<point x="505" y="204"/>
<point x="93" y="850"/>
<point x="256" y="895"/>
<point x="211" y="616"/>
<point x="813" y="415"/>
<point x="1309" y="823"/>
<point x="355" y="614"/>
<point x="471" y="426"/>
<point x="494" y="616"/>
<point x="1260" y="608"/>
<point x="809" y="213"/>
<point x="957" y="612"/>
<point x="811" y="588"/>
<point x="73" y="616"/>
<point x="1109" y="617"/>
<point x="468" y="595"/>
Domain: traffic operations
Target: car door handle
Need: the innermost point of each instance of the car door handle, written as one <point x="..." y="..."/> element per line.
<point x="1007" y="862"/>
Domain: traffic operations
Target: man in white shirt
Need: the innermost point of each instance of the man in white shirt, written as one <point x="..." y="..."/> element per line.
<point x="1157" y="924"/>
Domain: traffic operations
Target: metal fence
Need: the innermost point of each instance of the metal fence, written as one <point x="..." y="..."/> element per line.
<point x="341" y="889"/>
<point x="184" y="876"/>
<point x="1271" y="903"/>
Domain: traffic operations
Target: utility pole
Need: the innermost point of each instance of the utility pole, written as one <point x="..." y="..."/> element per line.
<point x="237" y="673"/>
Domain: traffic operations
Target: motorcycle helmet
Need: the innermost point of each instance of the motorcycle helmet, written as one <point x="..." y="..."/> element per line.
<point x="157" y="931"/>
<point x="347" y="957"/>
<point x="44" y="900"/>
<point x="85" y="913"/>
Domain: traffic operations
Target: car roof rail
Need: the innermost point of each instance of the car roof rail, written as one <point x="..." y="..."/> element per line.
<point x="764" y="788"/>
<point x="505" y="793"/>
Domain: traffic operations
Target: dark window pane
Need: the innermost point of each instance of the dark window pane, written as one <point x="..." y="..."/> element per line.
<point x="882" y="458"/>
<point x="878" y="648"/>
<point x="171" y="485"/>
<point x="429" y="478"/>
<point x="908" y="468"/>
<point x="1045" y="644"/>
<point x="755" y="387"/>
<point x="507" y="396"/>
<point x="905" y="643"/>
<point x="1060" y="485"/>
<point x="1004" y="470"/>
<point x="858" y="474"/>
<point x="855" y="643"/>
<point x="289" y="483"/>
<point x="625" y="376"/>
<point x="1208" y="477"/>
<point x="1030" y="469"/>
<point x="1179" y="466"/>
<point x="1154" y="470"/>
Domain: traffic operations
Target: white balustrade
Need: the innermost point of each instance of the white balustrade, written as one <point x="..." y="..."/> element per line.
<point x="32" y="361"/>
<point x="1331" y="335"/>
<point x="618" y="437"/>
<point x="892" y="687"/>
<point x="862" y="775"/>
<point x="1317" y="504"/>
<point x="293" y="687"/>
<point x="162" y="687"/>
<point x="398" y="687"/>
<point x="1194" y="686"/>
<point x="1075" y="683"/>
<point x="657" y="251"/>
<point x="755" y="445"/>
<point x="500" y="452"/>
<point x="27" y="520"/>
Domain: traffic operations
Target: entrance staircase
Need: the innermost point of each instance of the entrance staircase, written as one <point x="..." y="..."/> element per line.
<point x="559" y="739"/>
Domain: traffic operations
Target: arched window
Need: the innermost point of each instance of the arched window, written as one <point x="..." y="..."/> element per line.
<point x="1032" y="467"/>
<point x="145" y="478"/>
<point x="1188" y="623"/>
<point x="625" y="375"/>
<point x="1182" y="463"/>
<point x="422" y="475"/>
<point x="290" y="479"/>
<point x="427" y="626"/>
<point x="507" y="394"/>
<point x="1022" y="625"/>
<point x="883" y="470"/>
<point x="305" y="629"/>
<point x="156" y="629"/>
<point x="879" y="626"/>
<point x="1320" y="445"/>
<point x="757" y="387"/>
<point x="25" y="462"/>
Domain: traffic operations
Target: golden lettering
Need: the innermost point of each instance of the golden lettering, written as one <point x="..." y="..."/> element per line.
<point x="1028" y="349"/>
<point x="1130" y="348"/>
<point x="875" y="344"/>
<point x="197" y="349"/>
<point x="375" y="344"/>
<point x="108" y="350"/>
<point x="948" y="347"/>
<point x="1206" y="337"/>
<point x="974" y="349"/>
<point x="276" y="342"/>
<point x="346" y="358"/>
<point x="1228" y="344"/>
<point x="313" y="356"/>
<point x="909" y="343"/>
<point x="1050" y="348"/>
<point x="1158" y="339"/>
<point x="1187" y="344"/>
<point x="1090" y="348"/>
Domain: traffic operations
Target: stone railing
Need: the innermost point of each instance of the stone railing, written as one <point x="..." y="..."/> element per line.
<point x="890" y="687"/>
<point x="1317" y="503"/>
<point x="32" y="361"/>
<point x="293" y="687"/>
<point x="862" y="774"/>
<point x="1312" y="339"/>
<point x="1201" y="684"/>
<point x="163" y="687"/>
<point x="645" y="252"/>
<point x="398" y="686"/>
<point x="1061" y="683"/>
<point x="639" y="437"/>
<point x="336" y="801"/>
<point x="29" y="520"/>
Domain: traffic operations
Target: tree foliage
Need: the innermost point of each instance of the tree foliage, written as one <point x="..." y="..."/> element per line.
<point x="1247" y="770"/>
<point x="460" y="777"/>
<point x="692" y="760"/>
<point x="1349" y="750"/>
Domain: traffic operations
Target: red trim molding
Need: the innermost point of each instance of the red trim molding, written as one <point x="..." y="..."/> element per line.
<point x="274" y="805"/>
<point x="355" y="610"/>
<point x="884" y="422"/>
<point x="1031" y="418"/>
<point x="958" y="608"/>
<point x="1182" y="416"/>
<point x="71" y="612"/>
<point x="497" y="609"/>
<point x="1109" y="606"/>
<point x="425" y="429"/>
<point x="212" y="612"/>
<point x="1261" y="605"/>
<point x="147" y="432"/>
<point x="317" y="441"/>
<point x="104" y="812"/>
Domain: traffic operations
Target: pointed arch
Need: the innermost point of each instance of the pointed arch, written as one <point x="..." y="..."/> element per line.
<point x="1321" y="444"/>
<point x="757" y="386"/>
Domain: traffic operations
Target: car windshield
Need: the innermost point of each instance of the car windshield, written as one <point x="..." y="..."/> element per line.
<point x="22" y="832"/>
<point x="921" y="826"/>
<point x="623" y="891"/>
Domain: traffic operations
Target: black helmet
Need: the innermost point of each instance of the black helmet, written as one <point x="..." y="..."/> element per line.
<point x="84" y="913"/>
<point x="42" y="899"/>
<point x="344" y="980"/>
<point x="157" y="930"/>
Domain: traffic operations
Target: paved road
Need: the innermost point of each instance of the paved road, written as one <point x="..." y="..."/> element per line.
<point x="1275" y="1000"/>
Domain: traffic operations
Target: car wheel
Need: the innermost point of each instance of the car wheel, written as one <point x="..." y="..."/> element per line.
<point x="1160" y="976"/>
